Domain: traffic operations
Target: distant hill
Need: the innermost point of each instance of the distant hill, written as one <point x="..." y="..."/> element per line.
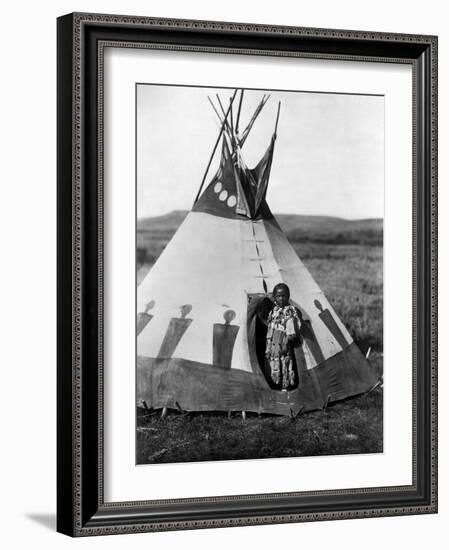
<point x="331" y="230"/>
<point x="168" y="222"/>
<point x="297" y="227"/>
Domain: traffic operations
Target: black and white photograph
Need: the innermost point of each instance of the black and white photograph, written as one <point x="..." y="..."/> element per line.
<point x="259" y="273"/>
<point x="222" y="222"/>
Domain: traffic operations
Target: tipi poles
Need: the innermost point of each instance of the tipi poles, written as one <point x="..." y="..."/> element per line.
<point x="229" y="125"/>
<point x="277" y="119"/>
<point x="221" y="104"/>
<point x="238" y="114"/>
<point x="231" y="118"/>
<point x="253" y="119"/>
<point x="215" y="110"/>
<point x="215" y="148"/>
<point x="221" y="118"/>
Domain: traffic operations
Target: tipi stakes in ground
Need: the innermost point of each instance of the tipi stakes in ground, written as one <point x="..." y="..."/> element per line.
<point x="200" y="330"/>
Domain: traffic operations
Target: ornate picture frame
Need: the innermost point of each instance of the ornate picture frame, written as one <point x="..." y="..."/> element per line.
<point x="81" y="508"/>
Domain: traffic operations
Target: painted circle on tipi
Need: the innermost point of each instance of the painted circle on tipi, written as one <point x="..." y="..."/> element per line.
<point x="232" y="201"/>
<point x="223" y="195"/>
<point x="218" y="187"/>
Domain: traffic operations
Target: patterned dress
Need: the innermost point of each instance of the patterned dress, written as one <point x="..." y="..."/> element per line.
<point x="282" y="323"/>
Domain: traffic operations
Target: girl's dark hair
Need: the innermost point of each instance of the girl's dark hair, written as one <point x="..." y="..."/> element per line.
<point x="280" y="286"/>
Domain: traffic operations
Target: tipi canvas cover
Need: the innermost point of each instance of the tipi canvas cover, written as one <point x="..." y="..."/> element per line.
<point x="200" y="335"/>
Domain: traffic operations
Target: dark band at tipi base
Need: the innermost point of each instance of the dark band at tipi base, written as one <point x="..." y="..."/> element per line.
<point x="202" y="308"/>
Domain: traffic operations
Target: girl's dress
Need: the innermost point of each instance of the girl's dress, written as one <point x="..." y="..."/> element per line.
<point x="282" y="323"/>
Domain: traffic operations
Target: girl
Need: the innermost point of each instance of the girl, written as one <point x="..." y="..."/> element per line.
<point x="283" y="328"/>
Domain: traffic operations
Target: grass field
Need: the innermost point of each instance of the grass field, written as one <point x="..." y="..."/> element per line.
<point x="350" y="274"/>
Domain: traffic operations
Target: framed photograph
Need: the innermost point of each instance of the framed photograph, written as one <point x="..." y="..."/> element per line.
<point x="247" y="277"/>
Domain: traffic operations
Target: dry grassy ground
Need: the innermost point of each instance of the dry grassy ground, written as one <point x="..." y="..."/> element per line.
<point x="351" y="277"/>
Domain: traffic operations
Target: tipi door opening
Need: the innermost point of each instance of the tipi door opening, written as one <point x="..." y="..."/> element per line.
<point x="259" y="306"/>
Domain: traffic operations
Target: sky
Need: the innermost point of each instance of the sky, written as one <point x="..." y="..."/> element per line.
<point x="328" y="158"/>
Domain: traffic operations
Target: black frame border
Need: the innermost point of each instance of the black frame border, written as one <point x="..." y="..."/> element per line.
<point x="81" y="510"/>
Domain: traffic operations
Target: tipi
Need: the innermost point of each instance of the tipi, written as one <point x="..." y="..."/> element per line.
<point x="200" y="341"/>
